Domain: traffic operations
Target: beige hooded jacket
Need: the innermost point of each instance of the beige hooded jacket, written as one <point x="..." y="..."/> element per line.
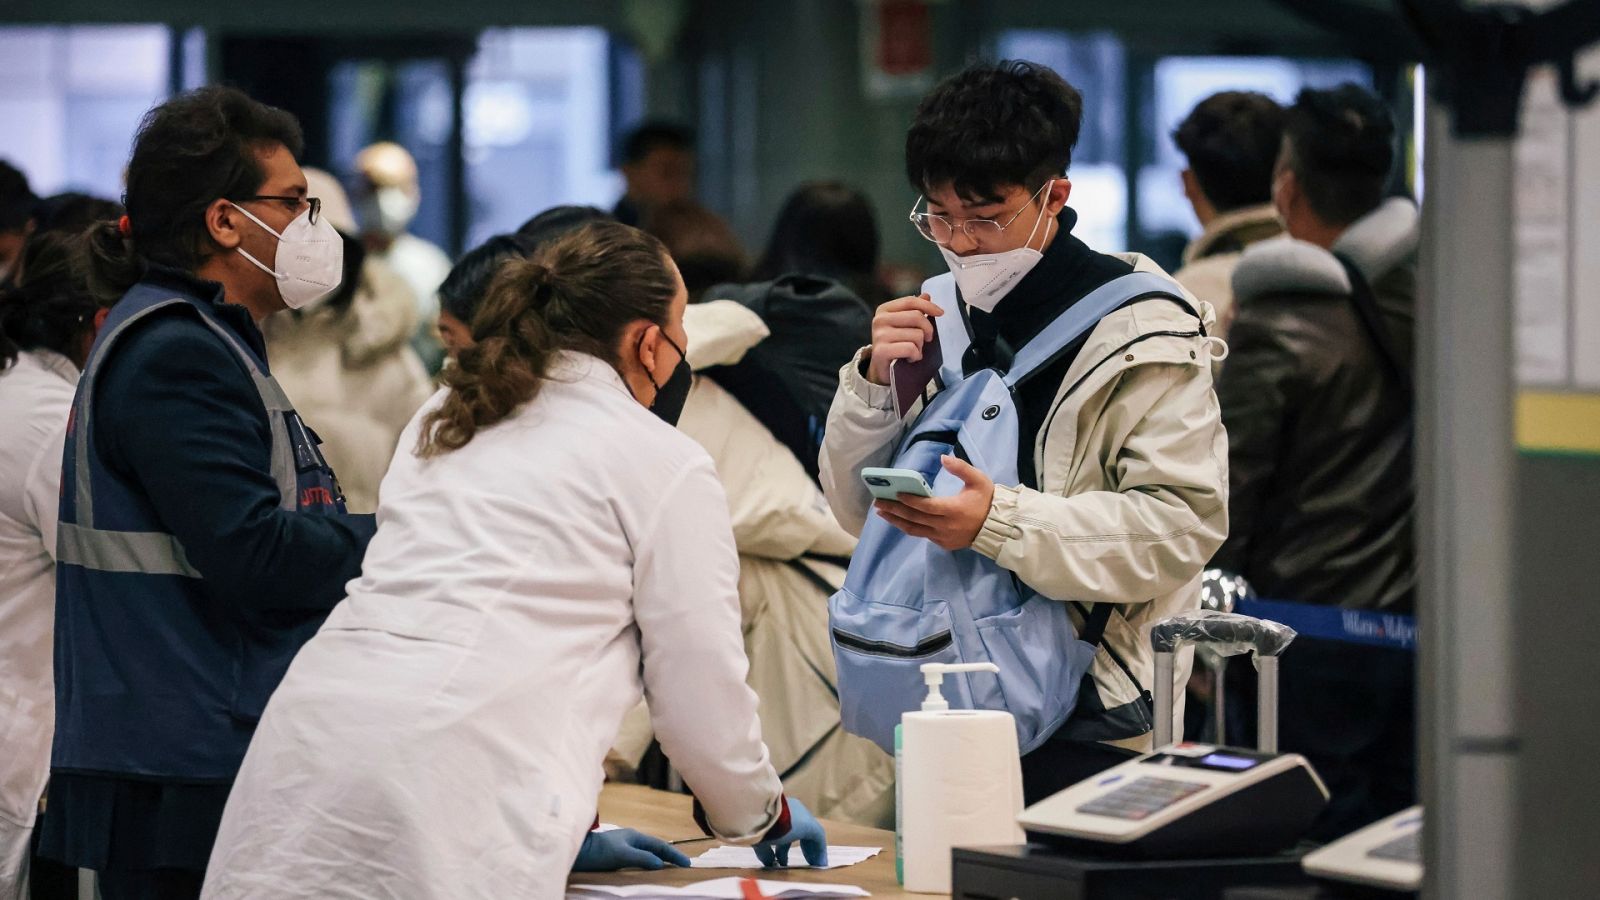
<point x="1132" y="499"/>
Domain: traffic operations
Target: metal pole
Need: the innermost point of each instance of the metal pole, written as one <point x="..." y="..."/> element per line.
<point x="1465" y="483"/>
<point x="1162" y="729"/>
<point x="1267" y="703"/>
<point x="1219" y="709"/>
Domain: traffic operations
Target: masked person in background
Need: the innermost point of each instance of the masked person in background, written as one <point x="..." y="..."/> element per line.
<point x="387" y="197"/>
<point x="443" y="735"/>
<point x="202" y="538"/>
<point x="346" y="361"/>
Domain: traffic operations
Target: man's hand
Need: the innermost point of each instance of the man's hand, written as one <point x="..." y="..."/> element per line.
<point x="899" y="329"/>
<point x="952" y="523"/>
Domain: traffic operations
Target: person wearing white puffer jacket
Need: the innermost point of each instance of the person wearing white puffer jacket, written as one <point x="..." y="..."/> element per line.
<point x="791" y="551"/>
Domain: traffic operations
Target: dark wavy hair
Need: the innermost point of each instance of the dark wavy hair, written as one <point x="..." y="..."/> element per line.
<point x="464" y="288"/>
<point x="1341" y="147"/>
<point x="578" y="293"/>
<point x="49" y="307"/>
<point x="993" y="125"/>
<point x="189" y="152"/>
<point x="1232" y="141"/>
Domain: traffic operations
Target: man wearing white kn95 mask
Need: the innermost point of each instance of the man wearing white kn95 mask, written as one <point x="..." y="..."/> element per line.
<point x="1073" y="506"/>
<point x="202" y="536"/>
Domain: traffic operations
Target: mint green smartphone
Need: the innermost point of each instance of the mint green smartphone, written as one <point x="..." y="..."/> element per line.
<point x="889" y="484"/>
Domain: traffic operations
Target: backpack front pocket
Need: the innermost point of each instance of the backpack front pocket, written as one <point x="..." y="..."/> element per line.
<point x="879" y="650"/>
<point x="1041" y="662"/>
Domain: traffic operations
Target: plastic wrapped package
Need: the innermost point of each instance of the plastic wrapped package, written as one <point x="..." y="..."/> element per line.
<point x="1226" y="634"/>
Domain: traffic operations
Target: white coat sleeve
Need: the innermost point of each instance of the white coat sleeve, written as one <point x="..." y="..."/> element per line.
<point x="686" y="604"/>
<point x="42" y="496"/>
<point x="862" y="431"/>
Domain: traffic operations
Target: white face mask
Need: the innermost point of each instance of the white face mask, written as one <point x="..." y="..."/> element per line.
<point x="310" y="260"/>
<point x="388" y="210"/>
<point x="986" y="278"/>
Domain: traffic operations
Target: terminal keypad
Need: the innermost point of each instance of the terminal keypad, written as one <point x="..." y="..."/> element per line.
<point x="1141" y="798"/>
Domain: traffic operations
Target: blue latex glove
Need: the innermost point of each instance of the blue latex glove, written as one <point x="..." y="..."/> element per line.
<point x="803" y="827"/>
<point x="607" y="851"/>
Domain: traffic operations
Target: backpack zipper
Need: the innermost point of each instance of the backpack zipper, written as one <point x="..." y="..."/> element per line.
<point x="925" y="647"/>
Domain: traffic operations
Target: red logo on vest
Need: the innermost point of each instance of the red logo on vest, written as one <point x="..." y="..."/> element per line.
<point x="316" y="496"/>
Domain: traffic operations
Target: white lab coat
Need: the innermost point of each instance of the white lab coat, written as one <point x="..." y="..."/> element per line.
<point x="35" y="397"/>
<point x="442" y="736"/>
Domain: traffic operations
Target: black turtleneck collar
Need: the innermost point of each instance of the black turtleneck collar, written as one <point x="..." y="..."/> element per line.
<point x="1068" y="272"/>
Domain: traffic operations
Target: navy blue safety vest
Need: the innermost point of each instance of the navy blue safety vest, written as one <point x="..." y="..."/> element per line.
<point x="155" y="676"/>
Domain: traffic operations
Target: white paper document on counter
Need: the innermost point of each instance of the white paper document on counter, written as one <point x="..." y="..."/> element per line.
<point x="715" y="889"/>
<point x="725" y="857"/>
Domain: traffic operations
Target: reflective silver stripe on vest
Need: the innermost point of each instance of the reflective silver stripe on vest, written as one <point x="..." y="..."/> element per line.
<point x="145" y="552"/>
<point x="151" y="552"/>
<point x="277" y="403"/>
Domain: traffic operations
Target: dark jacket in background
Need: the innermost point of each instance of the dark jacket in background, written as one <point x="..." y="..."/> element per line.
<point x="1320" y="432"/>
<point x="788" y="380"/>
<point x="1323" y="498"/>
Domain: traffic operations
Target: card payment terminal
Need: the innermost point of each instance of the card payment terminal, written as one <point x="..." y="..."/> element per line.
<point x="1385" y="854"/>
<point x="1188" y="800"/>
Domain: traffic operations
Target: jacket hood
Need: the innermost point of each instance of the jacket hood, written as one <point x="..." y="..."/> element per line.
<point x="721" y="332"/>
<point x="1375" y="244"/>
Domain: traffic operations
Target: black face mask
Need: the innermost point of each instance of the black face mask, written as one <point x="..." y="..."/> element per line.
<point x="674" y="392"/>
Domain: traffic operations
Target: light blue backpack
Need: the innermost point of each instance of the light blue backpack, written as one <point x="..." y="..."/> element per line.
<point x="906" y="602"/>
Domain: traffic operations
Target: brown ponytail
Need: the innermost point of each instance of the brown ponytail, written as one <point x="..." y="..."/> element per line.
<point x="579" y="293"/>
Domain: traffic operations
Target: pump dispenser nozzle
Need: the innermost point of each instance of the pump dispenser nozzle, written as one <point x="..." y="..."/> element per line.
<point x="933" y="675"/>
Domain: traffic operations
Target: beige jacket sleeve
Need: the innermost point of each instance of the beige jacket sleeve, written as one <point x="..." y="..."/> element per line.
<point x="862" y="431"/>
<point x="1160" y="526"/>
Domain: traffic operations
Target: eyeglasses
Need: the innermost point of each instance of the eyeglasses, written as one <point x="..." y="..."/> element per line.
<point x="292" y="202"/>
<point x="942" y="230"/>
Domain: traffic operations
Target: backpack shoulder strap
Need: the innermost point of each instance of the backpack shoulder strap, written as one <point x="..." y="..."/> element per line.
<point x="1366" y="304"/>
<point x="950" y="328"/>
<point x="1080" y="318"/>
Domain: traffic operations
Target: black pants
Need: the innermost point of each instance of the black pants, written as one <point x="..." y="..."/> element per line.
<point x="151" y="884"/>
<point x="1056" y="765"/>
<point x="1351" y="711"/>
<point x="48" y="879"/>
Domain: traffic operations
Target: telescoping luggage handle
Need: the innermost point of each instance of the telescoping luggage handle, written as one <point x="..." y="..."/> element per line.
<point x="1229" y="634"/>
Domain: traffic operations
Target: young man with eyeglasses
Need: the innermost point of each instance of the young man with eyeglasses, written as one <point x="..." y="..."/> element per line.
<point x="202" y="536"/>
<point x="1124" y="460"/>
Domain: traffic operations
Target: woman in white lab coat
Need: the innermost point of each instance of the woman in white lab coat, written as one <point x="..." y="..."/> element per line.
<point x="548" y="550"/>
<point x="47" y="321"/>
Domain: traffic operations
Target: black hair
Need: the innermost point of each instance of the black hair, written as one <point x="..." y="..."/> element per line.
<point x="1340" y="145"/>
<point x="1232" y="141"/>
<point x="49" y="307"/>
<point x="994" y="125"/>
<point x="73" y="211"/>
<point x="189" y="152"/>
<point x="825" y="228"/>
<point x="651" y="136"/>
<point x="558" y="220"/>
<point x="16" y="198"/>
<point x="468" y="283"/>
<point x="702" y="244"/>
